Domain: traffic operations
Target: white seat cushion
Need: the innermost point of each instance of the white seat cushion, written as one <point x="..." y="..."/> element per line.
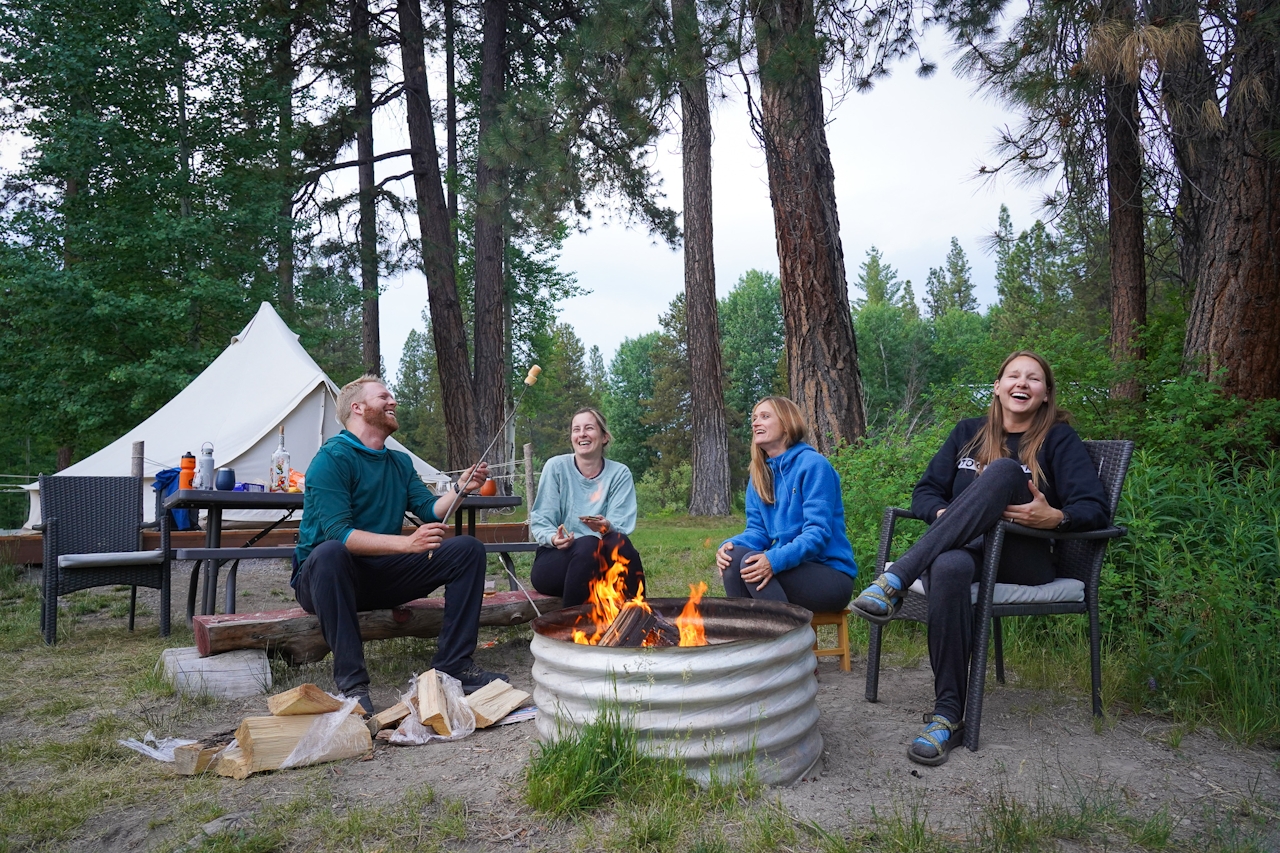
<point x="104" y="561"/>
<point x="1055" y="592"/>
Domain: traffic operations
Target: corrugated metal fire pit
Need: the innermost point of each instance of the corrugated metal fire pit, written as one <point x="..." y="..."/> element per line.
<point x="747" y="696"/>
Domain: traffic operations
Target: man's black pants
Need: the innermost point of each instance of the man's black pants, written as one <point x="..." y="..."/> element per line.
<point x="335" y="585"/>
<point x="949" y="558"/>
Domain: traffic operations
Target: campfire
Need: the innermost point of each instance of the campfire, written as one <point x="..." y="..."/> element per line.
<point x="615" y="620"/>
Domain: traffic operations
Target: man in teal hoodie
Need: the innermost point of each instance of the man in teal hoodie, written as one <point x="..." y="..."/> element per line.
<point x="351" y="555"/>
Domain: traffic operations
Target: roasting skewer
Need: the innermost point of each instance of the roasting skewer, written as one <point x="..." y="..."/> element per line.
<point x="529" y="380"/>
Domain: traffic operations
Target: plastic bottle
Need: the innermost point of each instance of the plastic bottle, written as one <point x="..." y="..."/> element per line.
<point x="187" y="470"/>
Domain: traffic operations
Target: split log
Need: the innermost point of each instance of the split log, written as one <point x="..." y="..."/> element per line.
<point x="194" y="758"/>
<point x="636" y="625"/>
<point x="303" y="699"/>
<point x="233" y="762"/>
<point x="267" y="741"/>
<point x="494" y="701"/>
<point x="388" y="718"/>
<point x="431" y="703"/>
<point x="295" y="634"/>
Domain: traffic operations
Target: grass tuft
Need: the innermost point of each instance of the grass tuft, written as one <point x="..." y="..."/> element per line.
<point x="598" y="763"/>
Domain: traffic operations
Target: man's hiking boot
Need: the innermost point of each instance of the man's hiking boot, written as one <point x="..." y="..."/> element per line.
<point x="473" y="678"/>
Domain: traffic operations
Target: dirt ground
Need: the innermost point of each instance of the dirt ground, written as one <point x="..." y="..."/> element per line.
<point x="1036" y="745"/>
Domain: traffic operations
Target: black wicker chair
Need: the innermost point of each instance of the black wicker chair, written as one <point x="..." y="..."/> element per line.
<point x="91" y="538"/>
<point x="1079" y="556"/>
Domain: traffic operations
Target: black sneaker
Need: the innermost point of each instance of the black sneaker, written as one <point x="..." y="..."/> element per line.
<point x="473" y="678"/>
<point x="362" y="696"/>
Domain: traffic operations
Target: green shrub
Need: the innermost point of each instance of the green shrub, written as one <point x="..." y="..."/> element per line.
<point x="664" y="491"/>
<point x="1190" y="599"/>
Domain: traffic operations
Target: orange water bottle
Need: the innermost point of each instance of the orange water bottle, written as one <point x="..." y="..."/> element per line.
<point x="187" y="472"/>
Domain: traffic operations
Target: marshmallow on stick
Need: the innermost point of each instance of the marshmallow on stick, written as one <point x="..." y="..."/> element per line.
<point x="529" y="380"/>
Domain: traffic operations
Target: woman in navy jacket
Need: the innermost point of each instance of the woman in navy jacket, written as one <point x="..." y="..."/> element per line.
<point x="795" y="547"/>
<point x="1023" y="463"/>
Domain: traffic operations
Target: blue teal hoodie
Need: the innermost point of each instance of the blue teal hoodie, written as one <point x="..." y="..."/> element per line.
<point x="805" y="522"/>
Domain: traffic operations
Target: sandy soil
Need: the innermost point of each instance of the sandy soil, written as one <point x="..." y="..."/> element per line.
<point x="1036" y="745"/>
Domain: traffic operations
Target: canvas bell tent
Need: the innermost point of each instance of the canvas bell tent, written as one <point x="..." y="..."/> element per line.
<point x="262" y="380"/>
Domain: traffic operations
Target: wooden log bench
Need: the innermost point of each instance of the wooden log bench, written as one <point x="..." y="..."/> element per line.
<point x="295" y="634"/>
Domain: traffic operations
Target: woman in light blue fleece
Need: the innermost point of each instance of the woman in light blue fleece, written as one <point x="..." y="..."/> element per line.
<point x="795" y="547"/>
<point x="585" y="510"/>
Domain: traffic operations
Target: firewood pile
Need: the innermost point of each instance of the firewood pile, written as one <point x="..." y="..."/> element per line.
<point x="269" y="742"/>
<point x="489" y="704"/>
<point x="301" y="729"/>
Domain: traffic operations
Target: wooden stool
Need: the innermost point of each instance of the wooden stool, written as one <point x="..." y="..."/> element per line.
<point x="841" y="648"/>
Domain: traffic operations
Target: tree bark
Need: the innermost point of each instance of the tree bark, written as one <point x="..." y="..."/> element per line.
<point x="283" y="73"/>
<point x="1234" y="325"/>
<point x="710" y="452"/>
<point x="451" y="118"/>
<point x="822" y="356"/>
<point x="490" y="373"/>
<point x="370" y="337"/>
<point x="1125" y="216"/>
<point x="448" y="332"/>
<point x="1190" y="100"/>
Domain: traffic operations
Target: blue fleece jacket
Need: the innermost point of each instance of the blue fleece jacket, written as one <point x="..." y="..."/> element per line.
<point x="805" y="522"/>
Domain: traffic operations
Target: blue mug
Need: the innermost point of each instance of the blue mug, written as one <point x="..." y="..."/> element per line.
<point x="226" y="479"/>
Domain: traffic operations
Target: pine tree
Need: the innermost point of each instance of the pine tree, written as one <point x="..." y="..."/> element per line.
<point x="878" y="280"/>
<point x="951" y="287"/>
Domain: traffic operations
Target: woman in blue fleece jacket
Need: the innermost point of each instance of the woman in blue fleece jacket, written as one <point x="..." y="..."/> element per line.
<point x="794" y="548"/>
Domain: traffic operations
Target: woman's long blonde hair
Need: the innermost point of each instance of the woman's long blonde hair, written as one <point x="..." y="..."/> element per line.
<point x="793" y="427"/>
<point x="988" y="444"/>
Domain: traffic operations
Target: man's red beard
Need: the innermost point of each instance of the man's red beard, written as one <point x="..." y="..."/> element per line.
<point x="382" y="420"/>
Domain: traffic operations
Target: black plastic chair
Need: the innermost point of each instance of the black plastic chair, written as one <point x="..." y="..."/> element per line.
<point x="1079" y="557"/>
<point x="91" y="538"/>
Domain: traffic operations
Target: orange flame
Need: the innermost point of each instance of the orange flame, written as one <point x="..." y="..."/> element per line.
<point x="690" y="619"/>
<point x="607" y="598"/>
<point x="607" y="595"/>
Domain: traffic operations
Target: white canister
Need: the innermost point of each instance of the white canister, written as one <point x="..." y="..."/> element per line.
<point x="204" y="478"/>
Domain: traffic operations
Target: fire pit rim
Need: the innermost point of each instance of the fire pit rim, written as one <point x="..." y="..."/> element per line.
<point x="780" y="618"/>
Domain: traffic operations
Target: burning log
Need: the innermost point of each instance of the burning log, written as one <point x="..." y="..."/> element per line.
<point x="637" y="625"/>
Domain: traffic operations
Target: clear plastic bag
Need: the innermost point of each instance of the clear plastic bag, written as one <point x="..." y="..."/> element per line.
<point x="338" y="734"/>
<point x="160" y="750"/>
<point x="462" y="721"/>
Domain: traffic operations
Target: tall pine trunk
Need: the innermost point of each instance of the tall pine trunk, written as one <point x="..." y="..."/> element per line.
<point x="282" y="72"/>
<point x="448" y="332"/>
<point x="1190" y="100"/>
<point x="362" y="50"/>
<point x="451" y="117"/>
<point x="710" y="492"/>
<point x="1235" y="316"/>
<point x="490" y="372"/>
<point x="822" y="357"/>
<point x="1125" y="214"/>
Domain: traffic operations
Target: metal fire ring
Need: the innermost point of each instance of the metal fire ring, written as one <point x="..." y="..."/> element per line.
<point x="747" y="697"/>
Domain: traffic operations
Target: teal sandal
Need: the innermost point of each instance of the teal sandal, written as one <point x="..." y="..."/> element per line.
<point x="934" y="744"/>
<point x="880" y="602"/>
